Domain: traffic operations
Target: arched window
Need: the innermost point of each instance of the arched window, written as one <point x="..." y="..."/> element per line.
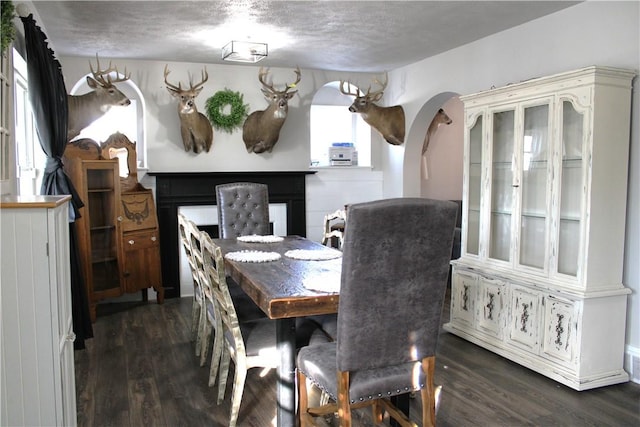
<point x="332" y="122"/>
<point x="129" y="120"/>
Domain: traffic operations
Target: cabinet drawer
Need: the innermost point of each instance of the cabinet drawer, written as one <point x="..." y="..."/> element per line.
<point x="137" y="211"/>
<point x="140" y="240"/>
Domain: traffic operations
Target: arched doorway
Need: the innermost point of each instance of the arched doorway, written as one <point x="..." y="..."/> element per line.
<point x="444" y="155"/>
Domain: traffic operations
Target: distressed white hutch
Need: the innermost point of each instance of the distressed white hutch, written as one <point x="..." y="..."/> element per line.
<point x="539" y="280"/>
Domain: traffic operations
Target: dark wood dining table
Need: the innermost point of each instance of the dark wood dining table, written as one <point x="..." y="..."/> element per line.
<point x="278" y="288"/>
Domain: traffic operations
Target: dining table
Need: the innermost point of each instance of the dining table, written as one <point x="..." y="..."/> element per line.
<point x="304" y="280"/>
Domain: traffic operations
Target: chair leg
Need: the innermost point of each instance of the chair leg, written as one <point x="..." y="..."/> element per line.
<point x="224" y="373"/>
<point x="216" y="354"/>
<point x="303" y="399"/>
<point x="344" y="410"/>
<point x="205" y="341"/>
<point x="427" y="393"/>
<point x="195" y="319"/>
<point x="238" y="389"/>
<point x="377" y="412"/>
<point x="201" y="319"/>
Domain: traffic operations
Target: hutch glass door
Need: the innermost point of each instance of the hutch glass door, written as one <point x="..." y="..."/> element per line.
<point x="571" y="191"/>
<point x="501" y="208"/>
<point x="534" y="155"/>
<point x="475" y="175"/>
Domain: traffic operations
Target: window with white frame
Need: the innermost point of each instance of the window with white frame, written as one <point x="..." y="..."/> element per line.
<point x="332" y="122"/>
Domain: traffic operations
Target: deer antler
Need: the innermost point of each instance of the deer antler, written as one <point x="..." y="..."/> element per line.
<point x="298" y="78"/>
<point x="383" y="86"/>
<point x="348" y="91"/>
<point x="205" y="77"/>
<point x="99" y="75"/>
<point x="169" y="85"/>
<point x="262" y="74"/>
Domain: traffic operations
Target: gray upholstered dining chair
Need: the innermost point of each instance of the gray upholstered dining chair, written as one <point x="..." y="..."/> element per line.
<point x="395" y="262"/>
<point x="243" y="209"/>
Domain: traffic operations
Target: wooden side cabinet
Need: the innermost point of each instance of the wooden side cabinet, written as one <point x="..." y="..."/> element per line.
<point x="118" y="236"/>
<point x="140" y="243"/>
<point x="38" y="378"/>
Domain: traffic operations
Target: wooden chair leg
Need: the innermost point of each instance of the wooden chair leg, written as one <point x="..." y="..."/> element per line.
<point x="195" y="319"/>
<point x="344" y="409"/>
<point x="303" y="399"/>
<point x="238" y="390"/>
<point x="376" y="412"/>
<point x="216" y="354"/>
<point x="428" y="393"/>
<point x="224" y="373"/>
<point x="205" y="342"/>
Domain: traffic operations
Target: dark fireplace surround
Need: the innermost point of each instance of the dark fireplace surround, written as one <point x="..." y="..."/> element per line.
<point x="175" y="189"/>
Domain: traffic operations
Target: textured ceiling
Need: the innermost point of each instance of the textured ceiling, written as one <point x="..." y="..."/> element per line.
<point x="371" y="36"/>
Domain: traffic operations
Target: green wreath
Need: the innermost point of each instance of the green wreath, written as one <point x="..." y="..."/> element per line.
<point x="216" y="110"/>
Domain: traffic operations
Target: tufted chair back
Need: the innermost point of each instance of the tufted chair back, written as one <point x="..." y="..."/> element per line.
<point x="395" y="264"/>
<point x="243" y="209"/>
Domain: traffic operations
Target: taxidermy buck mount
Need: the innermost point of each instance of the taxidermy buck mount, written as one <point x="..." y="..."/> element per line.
<point x="388" y="121"/>
<point x="441" y="118"/>
<point x="87" y="108"/>
<point x="196" y="130"/>
<point x="261" y="130"/>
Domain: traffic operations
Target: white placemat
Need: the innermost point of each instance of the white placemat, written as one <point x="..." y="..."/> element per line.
<point x="328" y="282"/>
<point x="255" y="238"/>
<point x="313" y="255"/>
<point x="253" y="256"/>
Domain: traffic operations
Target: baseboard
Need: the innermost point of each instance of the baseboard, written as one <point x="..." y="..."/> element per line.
<point x="632" y="363"/>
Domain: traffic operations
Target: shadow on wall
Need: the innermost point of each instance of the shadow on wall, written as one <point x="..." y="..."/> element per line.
<point x="444" y="156"/>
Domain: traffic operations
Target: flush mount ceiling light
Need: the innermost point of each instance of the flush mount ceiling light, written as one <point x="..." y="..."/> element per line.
<point x="240" y="51"/>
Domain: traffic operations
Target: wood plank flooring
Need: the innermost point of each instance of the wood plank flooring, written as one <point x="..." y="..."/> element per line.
<point x="140" y="370"/>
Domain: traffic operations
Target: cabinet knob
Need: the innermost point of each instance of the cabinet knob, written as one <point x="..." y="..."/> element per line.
<point x="119" y="219"/>
<point x="131" y="242"/>
<point x="154" y="238"/>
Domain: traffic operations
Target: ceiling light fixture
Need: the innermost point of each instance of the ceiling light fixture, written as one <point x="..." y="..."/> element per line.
<point x="240" y="51"/>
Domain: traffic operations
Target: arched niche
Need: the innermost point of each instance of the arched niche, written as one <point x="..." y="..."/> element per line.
<point x="444" y="154"/>
<point x="137" y="108"/>
<point x="342" y="126"/>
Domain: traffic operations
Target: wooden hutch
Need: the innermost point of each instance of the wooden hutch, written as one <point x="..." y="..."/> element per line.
<point x="118" y="236"/>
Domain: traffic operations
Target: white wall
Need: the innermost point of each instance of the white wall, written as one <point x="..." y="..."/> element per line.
<point x="590" y="33"/>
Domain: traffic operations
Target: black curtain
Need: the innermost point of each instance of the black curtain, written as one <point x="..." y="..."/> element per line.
<point x="48" y="97"/>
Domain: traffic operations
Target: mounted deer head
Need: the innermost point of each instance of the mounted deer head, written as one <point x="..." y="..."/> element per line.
<point x="87" y="108"/>
<point x="261" y="129"/>
<point x="196" y="130"/>
<point x="388" y="121"/>
<point x="441" y="118"/>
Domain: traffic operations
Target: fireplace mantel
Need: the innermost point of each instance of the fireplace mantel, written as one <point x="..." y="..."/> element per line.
<point x="175" y="189"/>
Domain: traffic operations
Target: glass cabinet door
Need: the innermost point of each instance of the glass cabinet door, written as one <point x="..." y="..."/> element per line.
<point x="472" y="237"/>
<point x="571" y="189"/>
<point x="501" y="207"/>
<point x="534" y="155"/>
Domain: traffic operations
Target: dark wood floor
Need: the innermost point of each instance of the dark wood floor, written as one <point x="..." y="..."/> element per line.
<point x="140" y="370"/>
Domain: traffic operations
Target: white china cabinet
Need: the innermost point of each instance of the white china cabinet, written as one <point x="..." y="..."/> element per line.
<point x="38" y="379"/>
<point x="545" y="186"/>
